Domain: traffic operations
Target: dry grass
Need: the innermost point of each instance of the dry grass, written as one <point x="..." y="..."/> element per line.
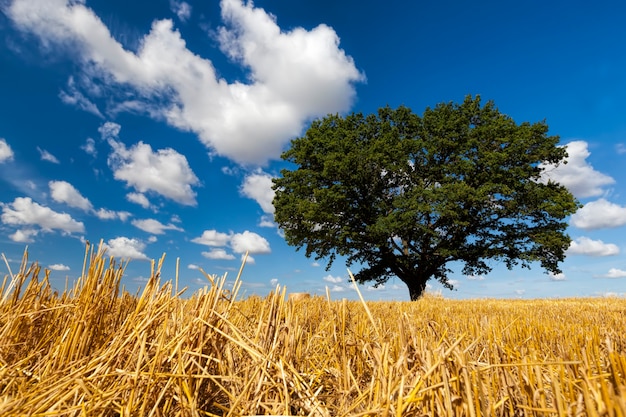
<point x="95" y="350"/>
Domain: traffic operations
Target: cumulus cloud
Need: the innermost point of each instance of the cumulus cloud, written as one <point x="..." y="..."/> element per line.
<point x="557" y="277"/>
<point x="218" y="254"/>
<point x="332" y="279"/>
<point x="249" y="259"/>
<point x="613" y="273"/>
<point x="249" y="242"/>
<point x="24" y="211"/>
<point x="47" y="156"/>
<point x="292" y="76"/>
<point x="64" y="192"/>
<point x="212" y="238"/>
<point x="127" y="248"/>
<point x="59" y="267"/>
<point x="164" y="172"/>
<point x="154" y="226"/>
<point x="24" y="235"/>
<point x="258" y="186"/>
<point x="139" y="198"/>
<point x="105" y="214"/>
<point x="599" y="214"/>
<point x="586" y="246"/>
<point x="6" y="153"/>
<point x="239" y="243"/>
<point x="577" y="175"/>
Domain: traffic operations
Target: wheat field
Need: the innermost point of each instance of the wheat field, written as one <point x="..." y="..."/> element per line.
<point x="96" y="350"/>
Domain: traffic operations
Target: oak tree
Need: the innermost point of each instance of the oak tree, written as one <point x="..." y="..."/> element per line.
<point x="405" y="195"/>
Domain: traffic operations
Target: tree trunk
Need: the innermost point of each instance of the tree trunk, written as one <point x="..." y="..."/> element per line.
<point x="416" y="288"/>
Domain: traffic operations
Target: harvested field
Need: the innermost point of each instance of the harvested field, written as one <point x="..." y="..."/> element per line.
<point x="94" y="350"/>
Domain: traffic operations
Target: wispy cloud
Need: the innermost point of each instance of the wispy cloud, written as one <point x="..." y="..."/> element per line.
<point x="72" y="96"/>
<point x="154" y="226"/>
<point x="6" y="153"/>
<point x="181" y="9"/>
<point x="47" y="156"/>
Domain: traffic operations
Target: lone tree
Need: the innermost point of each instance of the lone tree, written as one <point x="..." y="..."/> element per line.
<point x="405" y="195"/>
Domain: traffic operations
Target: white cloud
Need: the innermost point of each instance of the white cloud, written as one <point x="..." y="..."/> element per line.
<point x="293" y="76"/>
<point x="181" y="9"/>
<point x="165" y="172"/>
<point x="127" y="248"/>
<point x="193" y="266"/>
<point x="267" y="221"/>
<point x="74" y="97"/>
<point x="109" y="131"/>
<point x="24" y="235"/>
<point x="212" y="238"/>
<point x="64" y="192"/>
<point x="338" y="288"/>
<point x="90" y="147"/>
<point x="154" y="226"/>
<point x="577" y="175"/>
<point x="47" y="156"/>
<point x="620" y="148"/>
<point x="258" y="186"/>
<point x="249" y="242"/>
<point x="557" y="277"/>
<point x="239" y="242"/>
<point x="586" y="246"/>
<point x="249" y="259"/>
<point x="139" y="198"/>
<point x="599" y="214"/>
<point x="476" y="277"/>
<point x="613" y="273"/>
<point x="104" y="214"/>
<point x="274" y="282"/>
<point x="332" y="279"/>
<point x="6" y="153"/>
<point x="59" y="267"/>
<point x="218" y="254"/>
<point x="24" y="211"/>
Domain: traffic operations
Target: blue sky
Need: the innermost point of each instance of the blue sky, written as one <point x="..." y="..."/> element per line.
<point x="156" y="126"/>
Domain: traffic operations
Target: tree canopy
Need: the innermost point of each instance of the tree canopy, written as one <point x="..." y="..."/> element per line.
<point x="405" y="195"/>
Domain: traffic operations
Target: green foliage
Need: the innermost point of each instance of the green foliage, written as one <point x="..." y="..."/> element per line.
<point x="405" y="195"/>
